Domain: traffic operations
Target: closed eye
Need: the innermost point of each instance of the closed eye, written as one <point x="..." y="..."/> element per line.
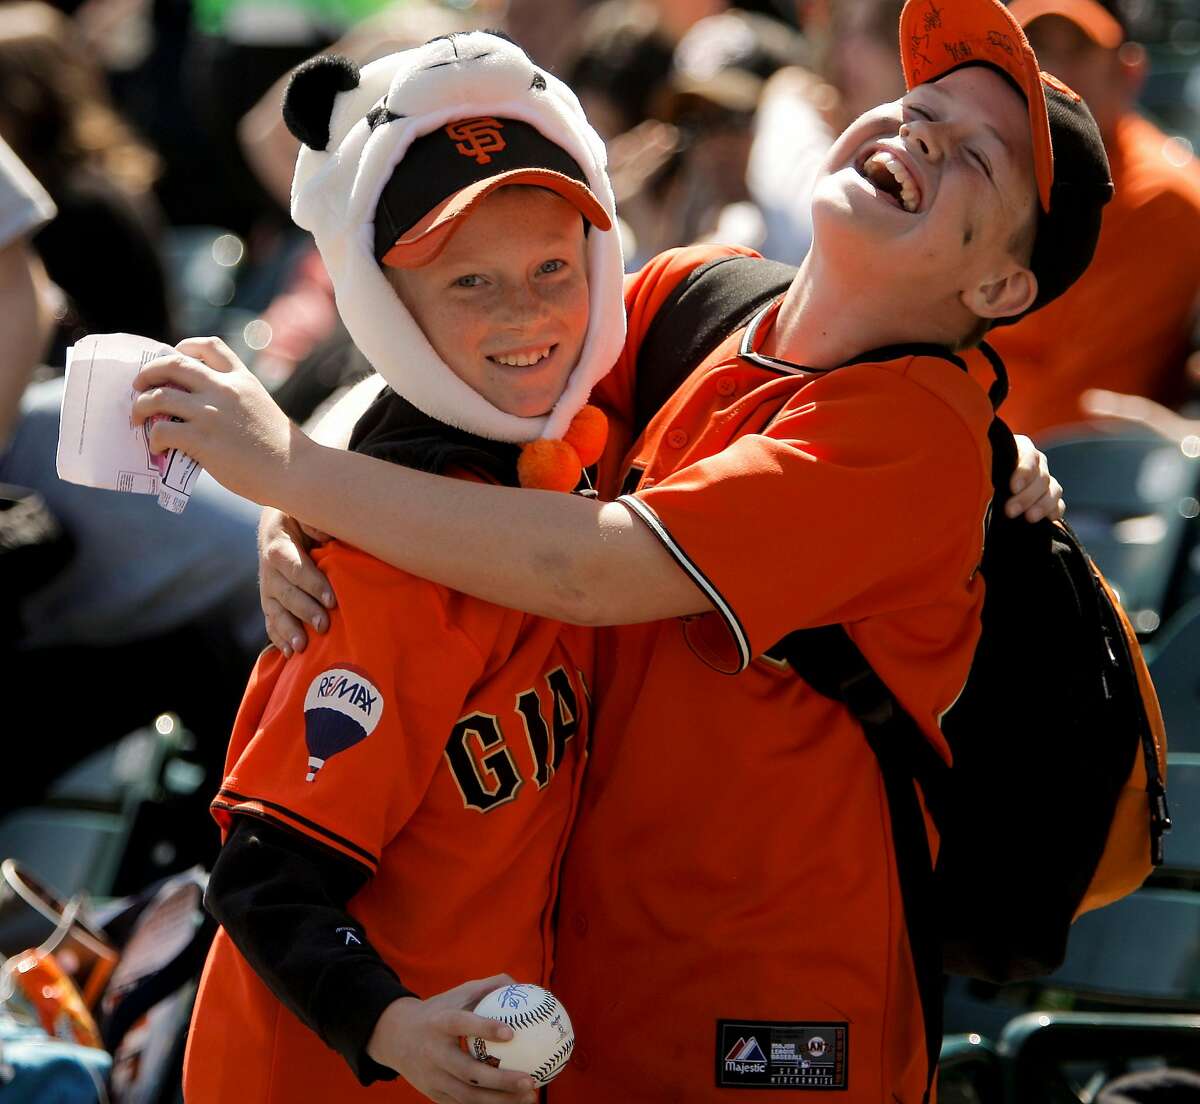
<point x="981" y="161"/>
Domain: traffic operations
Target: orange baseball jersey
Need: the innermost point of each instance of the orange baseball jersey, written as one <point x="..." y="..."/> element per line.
<point x="1126" y="324"/>
<point x="436" y="739"/>
<point x="730" y="917"/>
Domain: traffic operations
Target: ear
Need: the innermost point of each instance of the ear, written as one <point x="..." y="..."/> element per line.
<point x="1009" y="293"/>
<point x="311" y="90"/>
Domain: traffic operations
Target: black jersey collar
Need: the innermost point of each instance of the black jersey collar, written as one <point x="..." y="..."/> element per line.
<point x="885" y="352"/>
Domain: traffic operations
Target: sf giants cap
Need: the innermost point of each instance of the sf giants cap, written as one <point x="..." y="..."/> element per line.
<point x="1100" y="25"/>
<point x="446" y="173"/>
<point x="1071" y="167"/>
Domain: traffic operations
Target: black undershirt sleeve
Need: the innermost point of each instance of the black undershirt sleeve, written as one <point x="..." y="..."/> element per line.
<point x="282" y="898"/>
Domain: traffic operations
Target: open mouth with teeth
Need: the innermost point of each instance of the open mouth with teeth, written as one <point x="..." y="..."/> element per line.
<point x="892" y="179"/>
<point x="525" y="359"/>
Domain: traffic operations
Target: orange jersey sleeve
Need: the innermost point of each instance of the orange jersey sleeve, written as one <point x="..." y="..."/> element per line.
<point x="855" y="499"/>
<point x="340" y="742"/>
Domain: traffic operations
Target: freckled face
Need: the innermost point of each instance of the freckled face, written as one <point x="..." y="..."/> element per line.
<point x="937" y="183"/>
<point x="505" y="304"/>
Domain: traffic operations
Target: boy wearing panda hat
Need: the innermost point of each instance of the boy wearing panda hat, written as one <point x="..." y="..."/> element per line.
<point x="397" y="798"/>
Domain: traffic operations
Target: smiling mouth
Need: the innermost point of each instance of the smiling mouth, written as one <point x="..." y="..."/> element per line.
<point x="892" y="179"/>
<point x="524" y="359"/>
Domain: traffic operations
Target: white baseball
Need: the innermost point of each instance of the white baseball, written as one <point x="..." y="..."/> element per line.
<point x="543" y="1037"/>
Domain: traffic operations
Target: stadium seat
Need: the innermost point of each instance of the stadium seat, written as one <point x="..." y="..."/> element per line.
<point x="1063" y="1057"/>
<point x="1175" y="669"/>
<point x="1144" y="949"/>
<point x="1130" y="499"/>
<point x="969" y="1069"/>
<point x="78" y="838"/>
<point x="1181" y="864"/>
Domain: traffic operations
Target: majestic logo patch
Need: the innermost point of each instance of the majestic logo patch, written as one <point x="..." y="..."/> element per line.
<point x="478" y="138"/>
<point x="342" y="708"/>
<point x="746" y="1056"/>
<point x="768" y="1055"/>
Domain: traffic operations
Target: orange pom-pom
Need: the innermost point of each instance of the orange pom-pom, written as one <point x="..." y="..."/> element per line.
<point x="587" y="434"/>
<point x="547" y="465"/>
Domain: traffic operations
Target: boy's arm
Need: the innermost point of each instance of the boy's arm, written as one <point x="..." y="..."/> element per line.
<point x="560" y="556"/>
<point x="565" y="557"/>
<point x="282" y="899"/>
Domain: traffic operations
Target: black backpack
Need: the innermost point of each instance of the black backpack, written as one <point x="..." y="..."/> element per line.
<point x="1048" y="773"/>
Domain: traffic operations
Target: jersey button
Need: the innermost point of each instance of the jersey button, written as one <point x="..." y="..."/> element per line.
<point x="581" y="1060"/>
<point x="580" y="923"/>
<point x="726" y="386"/>
<point x="677" y="438"/>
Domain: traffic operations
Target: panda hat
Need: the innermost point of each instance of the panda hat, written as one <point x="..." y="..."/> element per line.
<point x="481" y="93"/>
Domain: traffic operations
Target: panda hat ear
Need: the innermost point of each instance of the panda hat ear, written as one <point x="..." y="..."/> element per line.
<point x="311" y="90"/>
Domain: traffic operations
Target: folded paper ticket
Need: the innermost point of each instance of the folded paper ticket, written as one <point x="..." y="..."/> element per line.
<point x="98" y="443"/>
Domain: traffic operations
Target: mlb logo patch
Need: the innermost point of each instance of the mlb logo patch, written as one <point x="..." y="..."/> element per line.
<point x="341" y="709"/>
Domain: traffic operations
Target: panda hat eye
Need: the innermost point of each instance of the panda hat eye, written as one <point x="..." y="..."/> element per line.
<point x="379" y="114"/>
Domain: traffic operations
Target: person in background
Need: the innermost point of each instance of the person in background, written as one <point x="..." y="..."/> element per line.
<point x="56" y="114"/>
<point x="803" y="108"/>
<point x="616" y="62"/>
<point x="1126" y="325"/>
<point x="26" y="295"/>
<point x="140" y="584"/>
<point x="681" y="176"/>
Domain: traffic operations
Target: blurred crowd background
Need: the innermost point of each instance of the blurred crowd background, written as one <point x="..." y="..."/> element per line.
<point x="127" y="632"/>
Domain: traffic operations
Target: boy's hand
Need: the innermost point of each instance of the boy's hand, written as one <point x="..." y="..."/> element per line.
<point x="292" y="590"/>
<point x="419" y="1039"/>
<point x="1036" y="493"/>
<point x="226" y="420"/>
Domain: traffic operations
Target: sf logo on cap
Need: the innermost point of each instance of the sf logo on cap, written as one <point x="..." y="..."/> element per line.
<point x="477" y="138"/>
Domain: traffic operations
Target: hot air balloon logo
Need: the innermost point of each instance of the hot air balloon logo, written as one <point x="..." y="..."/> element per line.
<point x="342" y="708"/>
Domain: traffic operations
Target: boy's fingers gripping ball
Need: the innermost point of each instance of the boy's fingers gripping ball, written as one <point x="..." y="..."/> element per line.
<point x="543" y="1037"/>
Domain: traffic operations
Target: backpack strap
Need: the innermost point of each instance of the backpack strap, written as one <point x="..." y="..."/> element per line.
<point x="998" y="392"/>
<point x="832" y="664"/>
<point x="706" y="306"/>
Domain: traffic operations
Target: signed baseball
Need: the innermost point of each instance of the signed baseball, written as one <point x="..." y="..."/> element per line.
<point x="542" y="1034"/>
